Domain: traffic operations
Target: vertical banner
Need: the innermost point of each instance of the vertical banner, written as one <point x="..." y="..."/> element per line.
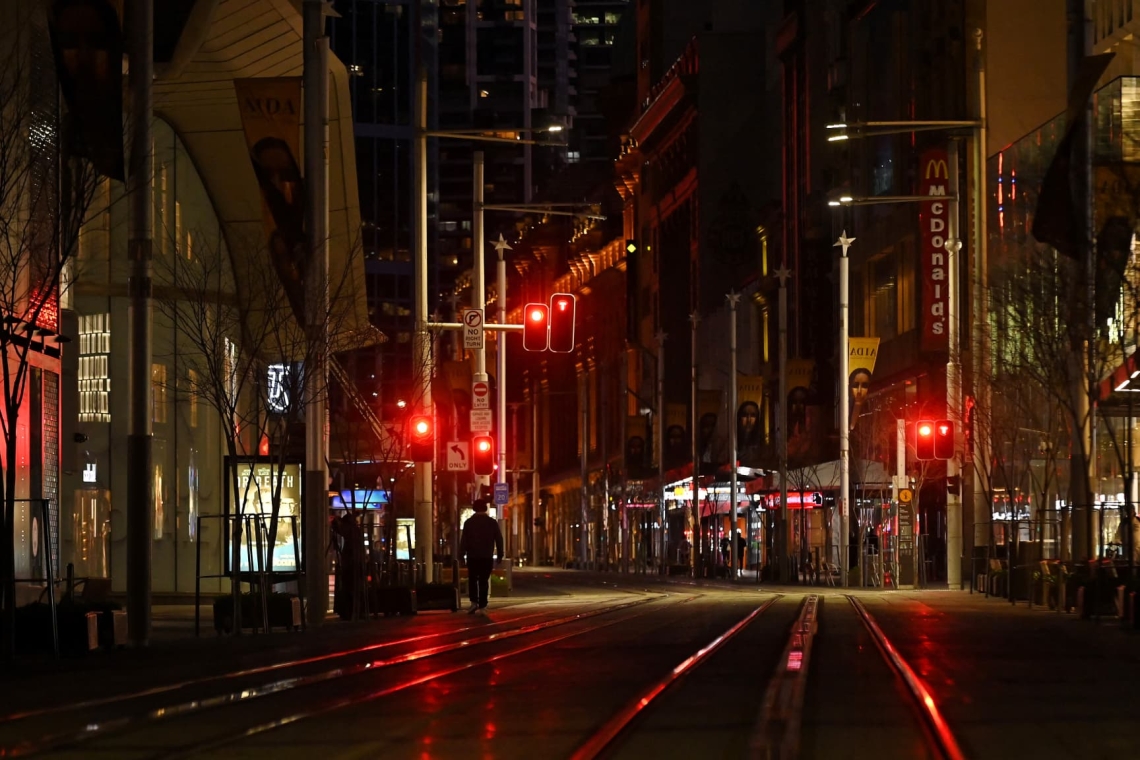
<point x="271" y="117"/>
<point x="933" y="215"/>
<point x="87" y="42"/>
<point x="801" y="373"/>
<point x="636" y="446"/>
<point x="750" y="438"/>
<point x="676" y="434"/>
<point x="862" y="353"/>
<point x="708" y="414"/>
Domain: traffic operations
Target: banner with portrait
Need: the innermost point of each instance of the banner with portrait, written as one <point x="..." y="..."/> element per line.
<point x="708" y="418"/>
<point x="637" y="447"/>
<point x="270" y="110"/>
<point x="750" y="433"/>
<point x="676" y="434"/>
<point x="801" y="398"/>
<point x="862" y="353"/>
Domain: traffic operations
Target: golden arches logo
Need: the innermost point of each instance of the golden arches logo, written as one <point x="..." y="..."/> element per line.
<point x="937" y="167"/>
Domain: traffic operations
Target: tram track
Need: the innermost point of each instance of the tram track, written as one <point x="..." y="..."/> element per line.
<point x="94" y="730"/>
<point x="943" y="742"/>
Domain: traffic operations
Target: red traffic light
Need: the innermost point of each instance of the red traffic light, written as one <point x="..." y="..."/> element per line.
<point x="924" y="443"/>
<point x="943" y="439"/>
<point x="483" y="455"/>
<point x="421" y="441"/>
<point x="536" y="337"/>
<point x="562" y="309"/>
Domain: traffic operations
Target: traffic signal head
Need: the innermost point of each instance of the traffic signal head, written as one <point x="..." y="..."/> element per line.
<point x="562" y="308"/>
<point x="483" y="455"/>
<point x="536" y="317"/>
<point x="421" y="438"/>
<point x="924" y="440"/>
<point x="943" y="439"/>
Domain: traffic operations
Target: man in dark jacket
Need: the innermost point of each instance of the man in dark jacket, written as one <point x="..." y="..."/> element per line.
<point x="482" y="545"/>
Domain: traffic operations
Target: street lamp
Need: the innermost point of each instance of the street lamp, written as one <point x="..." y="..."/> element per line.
<point x="952" y="245"/>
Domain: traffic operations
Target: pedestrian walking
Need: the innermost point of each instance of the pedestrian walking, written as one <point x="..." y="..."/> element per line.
<point x="482" y="546"/>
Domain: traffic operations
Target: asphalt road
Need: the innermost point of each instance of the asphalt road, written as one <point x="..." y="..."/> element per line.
<point x="581" y="666"/>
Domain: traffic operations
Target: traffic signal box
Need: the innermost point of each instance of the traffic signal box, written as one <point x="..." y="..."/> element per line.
<point x="934" y="439"/>
<point x="924" y="440"/>
<point x="550" y="327"/>
<point x="536" y="323"/>
<point x="421" y="438"/>
<point x="483" y="455"/>
<point x="943" y="439"/>
<point x="562" y="308"/>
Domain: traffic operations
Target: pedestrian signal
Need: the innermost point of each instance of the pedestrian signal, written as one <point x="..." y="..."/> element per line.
<point x="943" y="439"/>
<point x="562" y="308"/>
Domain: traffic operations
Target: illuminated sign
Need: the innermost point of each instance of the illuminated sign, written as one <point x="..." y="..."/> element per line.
<point x="89" y="473"/>
<point x="934" y="218"/>
<point x="277" y="388"/>
<point x="256" y="483"/>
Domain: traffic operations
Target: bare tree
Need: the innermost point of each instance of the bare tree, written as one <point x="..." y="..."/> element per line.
<point x="249" y="361"/>
<point x="44" y="199"/>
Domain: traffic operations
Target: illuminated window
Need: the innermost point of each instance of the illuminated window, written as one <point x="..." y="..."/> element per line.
<point x="94" y="377"/>
<point x="158" y="392"/>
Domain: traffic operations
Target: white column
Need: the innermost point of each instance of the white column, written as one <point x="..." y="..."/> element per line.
<point x="844" y="244"/>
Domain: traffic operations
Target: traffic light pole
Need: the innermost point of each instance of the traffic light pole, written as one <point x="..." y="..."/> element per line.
<point x="421" y="345"/>
<point x="501" y="370"/>
<point x="953" y="380"/>
<point x="478" y="285"/>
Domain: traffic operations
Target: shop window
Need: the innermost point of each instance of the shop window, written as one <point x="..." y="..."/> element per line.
<point x="94" y="375"/>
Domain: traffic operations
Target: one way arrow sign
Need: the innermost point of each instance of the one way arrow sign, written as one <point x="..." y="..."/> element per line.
<point x="457" y="456"/>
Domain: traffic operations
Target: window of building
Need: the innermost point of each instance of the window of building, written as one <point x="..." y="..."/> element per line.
<point x="94" y="375"/>
<point x="884" y="296"/>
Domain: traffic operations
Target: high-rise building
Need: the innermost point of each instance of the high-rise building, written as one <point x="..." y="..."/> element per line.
<point x="597" y="26"/>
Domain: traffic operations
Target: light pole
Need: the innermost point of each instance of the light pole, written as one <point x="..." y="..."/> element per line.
<point x="779" y="540"/>
<point x="696" y="543"/>
<point x="659" y="435"/>
<point x="421" y="341"/>
<point x="952" y="245"/>
<point x="733" y="300"/>
<point x="501" y="247"/>
<point x="843" y="244"/>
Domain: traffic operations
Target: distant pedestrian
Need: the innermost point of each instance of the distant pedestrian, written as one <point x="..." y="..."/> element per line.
<point x="482" y="545"/>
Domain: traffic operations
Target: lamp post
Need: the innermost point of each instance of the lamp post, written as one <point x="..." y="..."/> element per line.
<point x="952" y="245"/>
<point x="694" y="420"/>
<point x="659" y="435"/>
<point x="844" y="245"/>
<point x="733" y="443"/>
<point x="778" y="541"/>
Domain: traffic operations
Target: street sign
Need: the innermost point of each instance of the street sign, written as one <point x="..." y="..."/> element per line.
<point x="457" y="456"/>
<point x="473" y="328"/>
<point x="906" y="496"/>
<point x="481" y="420"/>
<point x="480" y="395"/>
<point x="502" y="494"/>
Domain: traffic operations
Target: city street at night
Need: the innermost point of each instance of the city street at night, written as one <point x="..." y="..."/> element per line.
<point x="580" y="666"/>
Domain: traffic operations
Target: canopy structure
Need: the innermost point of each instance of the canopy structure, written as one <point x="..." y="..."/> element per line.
<point x="224" y="40"/>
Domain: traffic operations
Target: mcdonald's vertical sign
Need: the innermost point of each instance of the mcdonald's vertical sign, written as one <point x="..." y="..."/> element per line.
<point x="934" y="181"/>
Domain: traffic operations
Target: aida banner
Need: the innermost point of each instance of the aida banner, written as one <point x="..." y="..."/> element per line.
<point x="749" y="404"/>
<point x="862" y="353"/>
<point x="934" y="216"/>
<point x="676" y="434"/>
<point x="636" y="446"/>
<point x="271" y="117"/>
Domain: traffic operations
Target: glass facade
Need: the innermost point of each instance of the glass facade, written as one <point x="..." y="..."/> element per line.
<point x="187" y="467"/>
